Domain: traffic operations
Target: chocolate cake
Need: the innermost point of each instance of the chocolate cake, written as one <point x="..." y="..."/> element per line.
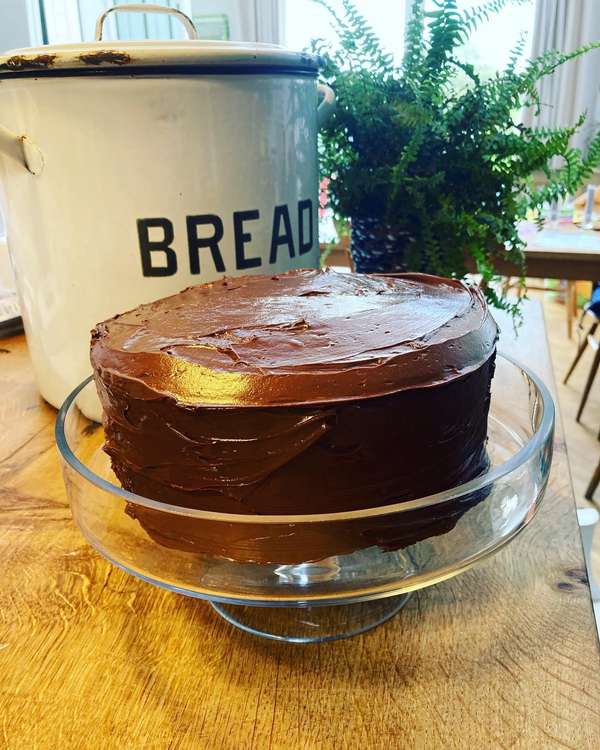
<point x="306" y="392"/>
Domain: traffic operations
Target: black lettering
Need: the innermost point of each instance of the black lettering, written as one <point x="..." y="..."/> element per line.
<point x="277" y="239"/>
<point x="148" y="246"/>
<point x="305" y="247"/>
<point x="195" y="243"/>
<point x="241" y="238"/>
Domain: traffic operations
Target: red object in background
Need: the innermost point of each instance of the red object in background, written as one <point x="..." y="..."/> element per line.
<point x="323" y="196"/>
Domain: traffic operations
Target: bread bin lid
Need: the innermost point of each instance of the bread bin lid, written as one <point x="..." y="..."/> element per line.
<point x="146" y="57"/>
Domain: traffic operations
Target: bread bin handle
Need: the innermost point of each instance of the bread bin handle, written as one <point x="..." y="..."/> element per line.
<point x="22" y="149"/>
<point x="146" y="8"/>
<point x="327" y="104"/>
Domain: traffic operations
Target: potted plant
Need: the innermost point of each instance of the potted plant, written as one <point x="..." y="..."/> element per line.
<point x="429" y="161"/>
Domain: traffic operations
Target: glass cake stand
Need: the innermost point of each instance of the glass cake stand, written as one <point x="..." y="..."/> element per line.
<point x="313" y="578"/>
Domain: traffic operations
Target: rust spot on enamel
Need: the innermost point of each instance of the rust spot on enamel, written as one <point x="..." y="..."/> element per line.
<point x="105" y="56"/>
<point x="21" y="62"/>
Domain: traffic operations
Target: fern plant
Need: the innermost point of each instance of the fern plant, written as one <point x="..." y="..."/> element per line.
<point x="449" y="167"/>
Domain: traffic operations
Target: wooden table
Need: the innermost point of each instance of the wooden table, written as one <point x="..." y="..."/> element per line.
<point x="504" y="656"/>
<point x="563" y="252"/>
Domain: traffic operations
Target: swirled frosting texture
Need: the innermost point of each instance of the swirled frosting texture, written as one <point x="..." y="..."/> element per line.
<point x="298" y="338"/>
<point x="310" y="392"/>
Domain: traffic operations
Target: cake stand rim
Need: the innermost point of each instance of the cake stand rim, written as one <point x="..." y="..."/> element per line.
<point x="333" y="599"/>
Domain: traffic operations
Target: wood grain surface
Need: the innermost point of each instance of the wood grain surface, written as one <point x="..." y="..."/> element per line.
<point x="504" y="656"/>
<point x="565" y="252"/>
<point x="552" y="265"/>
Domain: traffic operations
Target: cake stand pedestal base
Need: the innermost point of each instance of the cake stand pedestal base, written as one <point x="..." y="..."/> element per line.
<point x="311" y="624"/>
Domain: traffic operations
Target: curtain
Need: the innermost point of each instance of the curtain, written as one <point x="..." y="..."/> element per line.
<point x="262" y="20"/>
<point x="575" y="87"/>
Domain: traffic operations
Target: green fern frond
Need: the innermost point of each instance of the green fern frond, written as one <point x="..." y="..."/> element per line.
<point x="449" y="168"/>
<point x="414" y="43"/>
<point x="516" y="53"/>
<point x="473" y="17"/>
<point x="546" y="63"/>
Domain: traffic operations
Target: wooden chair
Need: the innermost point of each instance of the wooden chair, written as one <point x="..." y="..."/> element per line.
<point x="594" y="482"/>
<point x="588" y="339"/>
<point x="571" y="305"/>
<point x="591" y="309"/>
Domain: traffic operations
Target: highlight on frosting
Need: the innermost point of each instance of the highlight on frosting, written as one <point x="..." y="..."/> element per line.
<point x="302" y="337"/>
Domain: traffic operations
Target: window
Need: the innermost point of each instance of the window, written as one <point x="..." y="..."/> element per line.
<point x="490" y="45"/>
<point x="488" y="48"/>
<point x="306" y="20"/>
<point x="66" y="21"/>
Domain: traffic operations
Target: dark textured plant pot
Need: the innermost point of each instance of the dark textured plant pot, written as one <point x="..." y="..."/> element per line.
<point x="378" y="249"/>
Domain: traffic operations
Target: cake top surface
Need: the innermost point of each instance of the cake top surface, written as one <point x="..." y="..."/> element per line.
<point x="305" y="336"/>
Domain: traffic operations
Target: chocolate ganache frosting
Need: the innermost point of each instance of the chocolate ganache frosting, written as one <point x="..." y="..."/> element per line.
<point x="307" y="392"/>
